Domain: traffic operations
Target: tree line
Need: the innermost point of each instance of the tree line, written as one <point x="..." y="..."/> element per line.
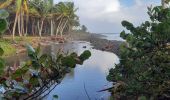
<point x="39" y="17"/>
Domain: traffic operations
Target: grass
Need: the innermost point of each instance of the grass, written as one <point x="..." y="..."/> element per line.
<point x="10" y="47"/>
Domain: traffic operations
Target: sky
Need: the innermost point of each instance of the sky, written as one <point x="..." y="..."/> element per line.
<point x="105" y="16"/>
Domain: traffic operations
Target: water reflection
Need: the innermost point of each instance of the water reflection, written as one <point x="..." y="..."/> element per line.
<point x="92" y="73"/>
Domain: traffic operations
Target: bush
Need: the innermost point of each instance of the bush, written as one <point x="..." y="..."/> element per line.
<point x="3" y="22"/>
<point x="144" y="68"/>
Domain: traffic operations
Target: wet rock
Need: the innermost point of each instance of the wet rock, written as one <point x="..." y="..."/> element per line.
<point x="84" y="47"/>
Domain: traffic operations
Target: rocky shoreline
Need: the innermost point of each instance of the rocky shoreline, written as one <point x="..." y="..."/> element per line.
<point x="97" y="42"/>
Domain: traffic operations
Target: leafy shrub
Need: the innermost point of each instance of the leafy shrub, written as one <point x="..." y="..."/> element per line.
<point x="3" y="22"/>
<point x="36" y="74"/>
<point x="144" y="68"/>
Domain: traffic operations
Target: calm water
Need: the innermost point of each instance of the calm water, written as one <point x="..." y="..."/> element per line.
<point x="90" y="76"/>
<point x="112" y="36"/>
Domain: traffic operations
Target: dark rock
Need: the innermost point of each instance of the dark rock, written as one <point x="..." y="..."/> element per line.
<point x="84" y="47"/>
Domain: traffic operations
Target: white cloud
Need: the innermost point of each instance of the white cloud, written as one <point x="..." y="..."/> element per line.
<point x="106" y="15"/>
<point x="94" y="9"/>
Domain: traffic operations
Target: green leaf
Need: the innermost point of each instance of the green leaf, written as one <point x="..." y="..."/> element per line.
<point x="55" y="96"/>
<point x="30" y="49"/>
<point x="19" y="72"/>
<point x="3" y="26"/>
<point x="1" y="51"/>
<point x="31" y="52"/>
<point x="123" y="35"/>
<point x="3" y="14"/>
<point x="34" y="81"/>
<point x="43" y="58"/>
<point x="37" y="51"/>
<point x="85" y="55"/>
<point x="2" y="66"/>
<point x="69" y="61"/>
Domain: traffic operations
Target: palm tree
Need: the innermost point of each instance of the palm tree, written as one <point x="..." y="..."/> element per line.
<point x="5" y="3"/>
<point x="43" y="7"/>
<point x="67" y="11"/>
<point x="21" y="9"/>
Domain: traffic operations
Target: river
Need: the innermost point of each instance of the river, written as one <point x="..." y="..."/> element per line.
<point x="85" y="80"/>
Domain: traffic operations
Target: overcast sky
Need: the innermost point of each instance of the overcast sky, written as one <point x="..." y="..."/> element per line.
<point x="105" y="16"/>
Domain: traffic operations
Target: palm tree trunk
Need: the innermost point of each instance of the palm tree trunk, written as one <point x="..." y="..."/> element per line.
<point x="19" y="24"/>
<point x="62" y="29"/>
<point x="14" y="27"/>
<point x="58" y="27"/>
<point x="52" y="28"/>
<point x="41" y="28"/>
<point x="33" y="31"/>
<point x="22" y="23"/>
<point x="38" y="27"/>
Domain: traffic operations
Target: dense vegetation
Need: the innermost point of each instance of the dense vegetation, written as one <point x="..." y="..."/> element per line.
<point x="143" y="72"/>
<point x="27" y="20"/>
<point x="3" y="22"/>
<point x="34" y="77"/>
<point x="144" y="69"/>
<point x="40" y="17"/>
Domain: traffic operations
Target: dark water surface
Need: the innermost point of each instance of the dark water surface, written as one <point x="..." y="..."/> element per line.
<point x="89" y="77"/>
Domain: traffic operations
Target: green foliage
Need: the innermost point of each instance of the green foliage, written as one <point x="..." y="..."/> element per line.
<point x="2" y="62"/>
<point x="3" y="14"/>
<point x="2" y="66"/>
<point x="37" y="72"/>
<point x="85" y="55"/>
<point x="3" y="27"/>
<point x="1" y="51"/>
<point x="7" y="47"/>
<point x="84" y="28"/>
<point x="55" y="96"/>
<point x="145" y="58"/>
<point x="19" y="72"/>
<point x="69" y="61"/>
<point x="3" y="22"/>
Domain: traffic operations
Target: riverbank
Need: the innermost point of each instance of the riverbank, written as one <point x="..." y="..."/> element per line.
<point x="11" y="47"/>
<point x="97" y="41"/>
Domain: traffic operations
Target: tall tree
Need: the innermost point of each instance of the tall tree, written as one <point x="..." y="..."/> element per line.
<point x="21" y="10"/>
<point x="43" y="7"/>
<point x="84" y="28"/>
<point x="67" y="10"/>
